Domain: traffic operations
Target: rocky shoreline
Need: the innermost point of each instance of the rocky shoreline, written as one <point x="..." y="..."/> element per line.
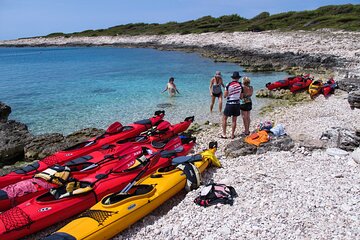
<point x="258" y="51"/>
<point x="293" y="189"/>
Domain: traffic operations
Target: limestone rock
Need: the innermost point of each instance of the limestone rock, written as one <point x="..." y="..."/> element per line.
<point x="354" y="99"/>
<point x="341" y="138"/>
<point x="5" y="111"/>
<point x="349" y="84"/>
<point x="82" y="135"/>
<point x="13" y="137"/>
<point x="356" y="155"/>
<point x="240" y="148"/>
<point x="43" y="145"/>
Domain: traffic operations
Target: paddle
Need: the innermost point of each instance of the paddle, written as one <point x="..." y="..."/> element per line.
<point x="143" y="171"/>
<point x="163" y="126"/>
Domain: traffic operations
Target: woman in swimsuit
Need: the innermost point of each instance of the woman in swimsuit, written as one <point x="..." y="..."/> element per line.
<point x="246" y="104"/>
<point x="215" y="90"/>
<point x="171" y="87"/>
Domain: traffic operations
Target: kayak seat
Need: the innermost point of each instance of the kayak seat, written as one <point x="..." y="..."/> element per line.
<point x="158" y="145"/>
<point x="28" y="168"/>
<point x="186" y="159"/>
<point x="3" y="195"/>
<point x="134" y="191"/>
<point x="143" y="122"/>
<point x="79" y="160"/>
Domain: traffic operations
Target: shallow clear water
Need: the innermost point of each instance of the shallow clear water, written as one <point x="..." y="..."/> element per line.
<point x="66" y="89"/>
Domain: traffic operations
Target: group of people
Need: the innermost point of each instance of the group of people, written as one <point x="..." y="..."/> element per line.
<point x="238" y="99"/>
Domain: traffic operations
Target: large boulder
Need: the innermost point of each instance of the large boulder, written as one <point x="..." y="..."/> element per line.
<point x="342" y="138"/>
<point x="241" y="148"/>
<point x="13" y="138"/>
<point x="5" y="111"/>
<point x="354" y="99"/>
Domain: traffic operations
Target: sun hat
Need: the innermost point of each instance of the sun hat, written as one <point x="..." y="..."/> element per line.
<point x="235" y="75"/>
<point x="217" y="74"/>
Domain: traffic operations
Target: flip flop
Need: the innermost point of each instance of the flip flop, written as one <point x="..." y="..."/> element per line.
<point x="223" y="137"/>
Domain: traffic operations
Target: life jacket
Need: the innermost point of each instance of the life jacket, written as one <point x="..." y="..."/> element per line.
<point x="257" y="138"/>
<point x="214" y="193"/>
<point x="74" y="187"/>
<point x="192" y="173"/>
<point x="56" y="174"/>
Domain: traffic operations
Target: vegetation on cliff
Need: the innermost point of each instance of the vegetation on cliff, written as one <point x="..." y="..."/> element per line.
<point x="343" y="17"/>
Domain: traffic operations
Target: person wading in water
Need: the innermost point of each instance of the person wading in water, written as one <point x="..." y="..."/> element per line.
<point x="215" y="90"/>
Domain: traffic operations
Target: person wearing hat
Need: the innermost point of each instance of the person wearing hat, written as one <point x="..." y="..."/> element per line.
<point x="171" y="87"/>
<point x="215" y="90"/>
<point x="233" y="93"/>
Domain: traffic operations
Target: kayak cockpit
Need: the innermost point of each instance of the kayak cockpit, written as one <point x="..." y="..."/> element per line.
<point x="134" y="193"/>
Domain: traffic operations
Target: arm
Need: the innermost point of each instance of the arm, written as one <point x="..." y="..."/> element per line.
<point x="165" y="89"/>
<point x="176" y="89"/>
<point x="210" y="87"/>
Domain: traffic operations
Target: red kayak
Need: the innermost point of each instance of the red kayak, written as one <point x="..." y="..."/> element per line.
<point x="77" y="196"/>
<point x="105" y="158"/>
<point x="329" y="87"/>
<point x="278" y="84"/>
<point x="114" y="133"/>
<point x="287" y="82"/>
<point x="302" y="85"/>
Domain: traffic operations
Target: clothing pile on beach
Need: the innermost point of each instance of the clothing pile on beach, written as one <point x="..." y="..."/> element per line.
<point x="264" y="132"/>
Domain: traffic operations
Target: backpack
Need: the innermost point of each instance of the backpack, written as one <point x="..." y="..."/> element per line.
<point x="214" y="193"/>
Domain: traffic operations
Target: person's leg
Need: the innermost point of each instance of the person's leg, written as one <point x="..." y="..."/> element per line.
<point x="246" y="118"/>
<point x="224" y="120"/>
<point x="220" y="103"/>
<point x="212" y="103"/>
<point x="233" y="126"/>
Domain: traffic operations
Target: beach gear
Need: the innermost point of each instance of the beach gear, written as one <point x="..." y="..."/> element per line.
<point x="329" y="87"/>
<point x="214" y="193"/>
<point x="118" y="211"/>
<point x="278" y="130"/>
<point x="105" y="158"/>
<point x="47" y="209"/>
<point x="115" y="133"/>
<point x="257" y="138"/>
<point x="265" y="125"/>
<point x="315" y="88"/>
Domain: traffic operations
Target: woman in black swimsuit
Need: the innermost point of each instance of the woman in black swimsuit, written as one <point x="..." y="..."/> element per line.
<point x="215" y="90"/>
<point x="246" y="104"/>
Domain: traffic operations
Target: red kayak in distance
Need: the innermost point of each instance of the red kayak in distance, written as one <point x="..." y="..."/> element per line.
<point x="301" y="85"/>
<point x="156" y="139"/>
<point x="329" y="87"/>
<point x="287" y="82"/>
<point x="64" y="202"/>
<point x="114" y="133"/>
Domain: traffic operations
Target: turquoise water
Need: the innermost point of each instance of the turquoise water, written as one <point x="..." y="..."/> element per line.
<point x="67" y="89"/>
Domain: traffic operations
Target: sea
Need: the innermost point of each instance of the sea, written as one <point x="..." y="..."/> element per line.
<point x="67" y="89"/>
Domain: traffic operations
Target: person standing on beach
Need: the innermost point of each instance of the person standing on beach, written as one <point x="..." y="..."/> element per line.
<point x="171" y="87"/>
<point x="246" y="104"/>
<point x="215" y="90"/>
<point x="233" y="93"/>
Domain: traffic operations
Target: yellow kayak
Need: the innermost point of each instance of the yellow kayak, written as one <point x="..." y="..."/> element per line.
<point x="116" y="212"/>
<point x="315" y="88"/>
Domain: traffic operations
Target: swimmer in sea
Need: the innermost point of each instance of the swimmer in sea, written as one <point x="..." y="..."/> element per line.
<point x="171" y="87"/>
